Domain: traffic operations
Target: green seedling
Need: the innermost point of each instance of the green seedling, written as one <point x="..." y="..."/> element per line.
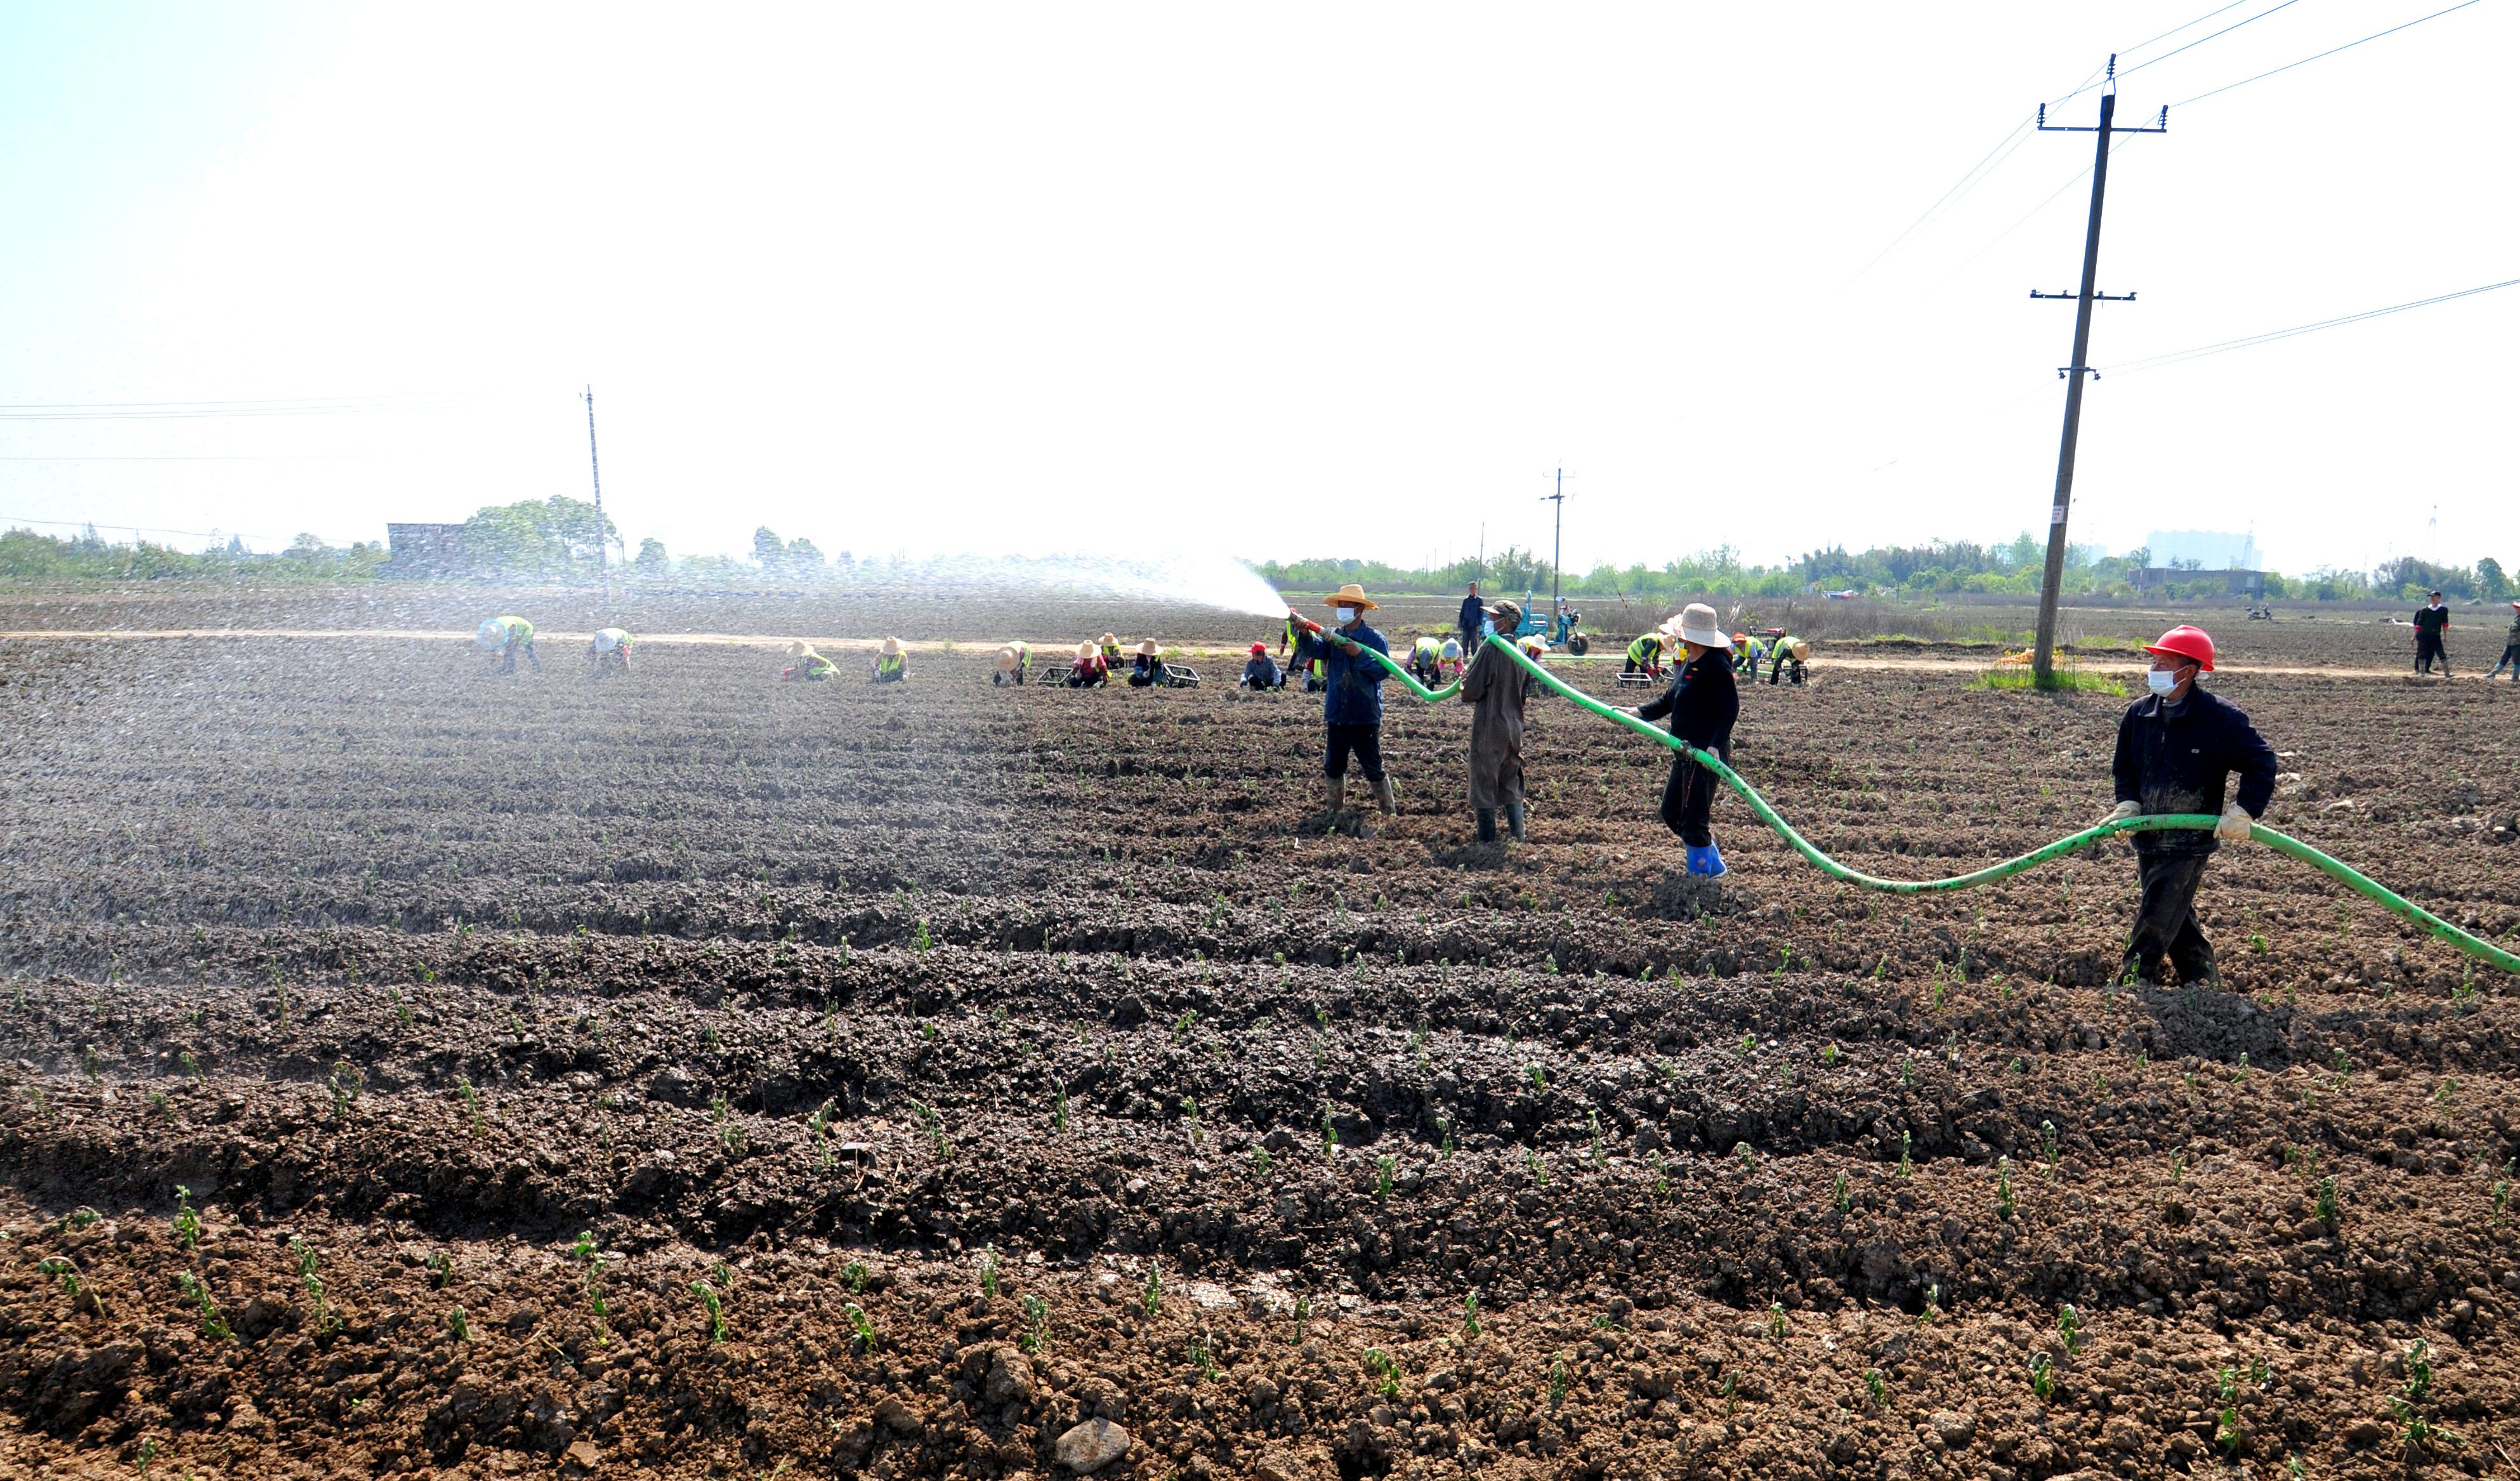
<point x="1908" y="1070"/>
<point x="2048" y="1148"/>
<point x="854" y="1274"/>
<point x="1303" y="1313"/>
<point x="1558" y="1380"/>
<point x="714" y="1305"/>
<point x="1260" y="1160"/>
<point x="1874" y="1386"/>
<point x="2443" y="1092"/>
<point x="2003" y="1204"/>
<point x="936" y="1134"/>
<point x="1382" y="1178"/>
<point x="62" y="1270"/>
<point x="919" y="941"/>
<point x="1829" y="1054"/>
<point x="1202" y="1356"/>
<point x="862" y="1332"/>
<point x="2327" y="1203"/>
<point x="1152" y="1299"/>
<point x="592" y="1282"/>
<point x="1036" y="1333"/>
<point x="1445" y="1148"/>
<point x="2226" y="1430"/>
<point x="2420" y="1368"/>
<point x="2069" y="1326"/>
<point x="441" y="1270"/>
<point x="157" y="1104"/>
<point x="188" y="1224"/>
<point x="1329" y="1133"/>
<point x="1189" y="1121"/>
<point x="1662" y="1179"/>
<point x="989" y="1283"/>
<point x="347" y="1083"/>
<point x="1748" y="1159"/>
<point x="460" y="1324"/>
<point x="819" y="1125"/>
<point x="191" y="1066"/>
<point x="2417" y="1432"/>
<point x="1840" y="1196"/>
<point x="1907" y="1168"/>
<point x="1059" y="1107"/>
<point x="1538" y="1076"/>
<point x="1593" y="1120"/>
<point x="212" y="1326"/>
<point x="1183" y="1024"/>
<point x="1933" y="1310"/>
<point x="1381" y="1375"/>
<point x="1470" y="1314"/>
<point x="1777" y="1326"/>
<point x="2043" y="1376"/>
<point x="2501" y="1200"/>
<point x="308" y="1262"/>
<point x="472" y="1101"/>
<point x="2227" y="1384"/>
<point x="1749" y="1045"/>
<point x="1538" y="1168"/>
<point x="147" y="1455"/>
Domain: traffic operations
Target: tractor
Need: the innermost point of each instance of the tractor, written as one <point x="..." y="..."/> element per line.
<point x="1566" y="632"/>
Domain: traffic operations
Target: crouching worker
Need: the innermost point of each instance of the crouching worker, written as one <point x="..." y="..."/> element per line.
<point x="608" y="650"/>
<point x="1012" y="660"/>
<point x="1496" y="688"/>
<point x="806" y="665"/>
<point x="1147" y="669"/>
<point x="1427" y="661"/>
<point x="891" y="665"/>
<point x="1791" y="652"/>
<point x="1352" y="697"/>
<point x="1449" y="659"/>
<point x="1645" y="654"/>
<point x="506" y="636"/>
<point x="2176" y="746"/>
<point x="1260" y="671"/>
<point x="1090" y="670"/>
<point x="1702" y="703"/>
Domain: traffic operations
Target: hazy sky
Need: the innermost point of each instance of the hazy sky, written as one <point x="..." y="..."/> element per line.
<point x="1284" y="280"/>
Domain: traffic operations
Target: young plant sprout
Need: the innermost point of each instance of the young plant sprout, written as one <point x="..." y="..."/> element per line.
<point x="862" y="1332"/>
<point x="460" y="1324"/>
<point x="1471" y="1313"/>
<point x="714" y="1305"/>
<point x="1036" y="1318"/>
<point x="188" y="1224"/>
<point x="1152" y="1299"/>
<point x="199" y="1294"/>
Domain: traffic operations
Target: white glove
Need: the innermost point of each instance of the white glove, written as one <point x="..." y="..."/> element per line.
<point x="2124" y="811"/>
<point x="2234" y="826"/>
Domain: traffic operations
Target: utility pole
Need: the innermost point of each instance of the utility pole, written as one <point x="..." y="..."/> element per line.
<point x="595" y="469"/>
<point x="1558" y="543"/>
<point x="1481" y="569"/>
<point x="2044" y="659"/>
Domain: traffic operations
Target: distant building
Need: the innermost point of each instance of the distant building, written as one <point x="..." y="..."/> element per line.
<point x="417" y="551"/>
<point x="2202" y="548"/>
<point x="2148" y="580"/>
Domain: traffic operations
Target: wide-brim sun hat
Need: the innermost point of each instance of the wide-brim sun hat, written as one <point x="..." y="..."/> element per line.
<point x="795" y="648"/>
<point x="1350" y="595"/>
<point x="490" y="635"/>
<point x="892" y="647"/>
<point x="1698" y="625"/>
<point x="1109" y="641"/>
<point x="1802" y="652"/>
<point x="606" y="639"/>
<point x="1085" y="650"/>
<point x="1147" y="649"/>
<point x="1006" y="657"/>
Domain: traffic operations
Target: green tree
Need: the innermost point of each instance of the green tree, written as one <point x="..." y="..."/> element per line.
<point x="652" y="558"/>
<point x="2491" y="582"/>
<point x="549" y="537"/>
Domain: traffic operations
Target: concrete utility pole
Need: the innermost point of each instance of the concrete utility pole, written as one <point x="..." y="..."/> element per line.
<point x="2044" y="659"/>
<point x="595" y="469"/>
<point x="1558" y="542"/>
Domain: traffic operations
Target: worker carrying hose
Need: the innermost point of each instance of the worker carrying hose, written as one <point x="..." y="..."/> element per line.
<point x="807" y="665"/>
<point x="1352" y="704"/>
<point x="1260" y="671"/>
<point x="1012" y="660"/>
<point x="506" y="636"/>
<point x="1496" y="687"/>
<point x="1427" y="661"/>
<point x="1702" y="703"/>
<point x="2510" y="647"/>
<point x="890" y="665"/>
<point x="1789" y="653"/>
<point x="2432" y="630"/>
<point x="1090" y="670"/>
<point x="608" y="650"/>
<point x="2176" y="746"/>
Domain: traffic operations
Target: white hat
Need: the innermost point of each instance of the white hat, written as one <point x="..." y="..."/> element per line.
<point x="1007" y="659"/>
<point x="492" y="633"/>
<point x="1698" y="625"/>
<point x="606" y="639"/>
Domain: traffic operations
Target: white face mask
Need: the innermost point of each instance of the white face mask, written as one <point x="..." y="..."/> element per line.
<point x="2161" y="680"/>
<point x="1347" y="615"/>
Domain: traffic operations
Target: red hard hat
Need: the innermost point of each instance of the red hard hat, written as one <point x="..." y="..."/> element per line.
<point x="2185" y="641"/>
<point x="1257" y="648"/>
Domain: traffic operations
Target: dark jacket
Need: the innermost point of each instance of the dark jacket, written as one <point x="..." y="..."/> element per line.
<point x="2434" y="617"/>
<point x="2173" y="760"/>
<point x="1474" y="614"/>
<point x="1701" y="701"/>
<point x="1260" y="671"/>
<point x="1354" y="695"/>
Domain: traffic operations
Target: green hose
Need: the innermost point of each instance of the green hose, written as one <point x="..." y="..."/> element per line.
<point x="2389" y="899"/>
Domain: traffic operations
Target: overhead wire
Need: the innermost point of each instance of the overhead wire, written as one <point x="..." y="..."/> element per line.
<point x="2330" y="52"/>
<point x="2201" y="41"/>
<point x="2198" y="352"/>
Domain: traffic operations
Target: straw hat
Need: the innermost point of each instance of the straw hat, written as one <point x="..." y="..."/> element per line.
<point x="892" y="647"/>
<point x="1007" y="659"/>
<point x="606" y="639"/>
<point x="1350" y="595"/>
<point x="1801" y="649"/>
<point x="1534" y="645"/>
<point x="1085" y="650"/>
<point x="1698" y="625"/>
<point x="795" y="649"/>
<point x="1147" y="649"/>
<point x="1110" y="641"/>
<point x="491" y="634"/>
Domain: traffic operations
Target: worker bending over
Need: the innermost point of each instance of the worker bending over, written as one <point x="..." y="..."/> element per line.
<point x="1090" y="670"/>
<point x="2510" y="647"/>
<point x="1645" y="654"/>
<point x="1747" y="654"/>
<point x="891" y="665"/>
<point x="1702" y="703"/>
<point x="1112" y="653"/>
<point x="1147" y="669"/>
<point x="807" y="665"/>
<point x="1497" y="689"/>
<point x="2432" y="635"/>
<point x="506" y="636"/>
<point x="1352" y="704"/>
<point x="1449" y="659"/>
<point x="1427" y="661"/>
<point x="1260" y="671"/>
<point x="608" y="650"/>
<point x="1789" y="652"/>
<point x="2176" y="746"/>
<point x="1012" y="660"/>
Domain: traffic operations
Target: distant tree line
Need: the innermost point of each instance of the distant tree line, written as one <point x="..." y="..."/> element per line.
<point x="26" y="555"/>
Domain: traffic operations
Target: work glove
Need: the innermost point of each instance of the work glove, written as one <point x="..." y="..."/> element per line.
<point x="2124" y="811"/>
<point x="2234" y="826"/>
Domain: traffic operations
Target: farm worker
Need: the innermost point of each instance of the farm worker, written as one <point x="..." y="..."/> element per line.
<point x="608" y="650"/>
<point x="1012" y="660"/>
<point x="2510" y="647"/>
<point x="1702" y="703"/>
<point x="2432" y="625"/>
<point x="1534" y="644"/>
<point x="1147" y="670"/>
<point x="1449" y="659"/>
<point x="2175" y="747"/>
<point x="506" y="635"/>
<point x="1111" y="652"/>
<point x="1472" y="624"/>
<point x="1496" y="689"/>
<point x="1644" y="655"/>
<point x="1315" y="679"/>
<point x="1260" y="671"/>
<point x="1747" y="655"/>
<point x="809" y="665"/>
<point x="891" y="665"/>
<point x="1789" y="649"/>
<point x="1088" y="671"/>
<point x="1286" y="637"/>
<point x="1427" y="660"/>
<point x="1352" y="704"/>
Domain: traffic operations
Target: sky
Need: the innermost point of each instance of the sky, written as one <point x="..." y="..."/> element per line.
<point x="1278" y="282"/>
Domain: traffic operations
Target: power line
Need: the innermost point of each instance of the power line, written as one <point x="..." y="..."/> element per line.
<point x="2330" y="52"/>
<point x="2225" y="31"/>
<point x="2198" y="352"/>
<point x="136" y="529"/>
<point x="2094" y="79"/>
<point x="2020" y="132"/>
<point x="2115" y="145"/>
<point x="2176" y="29"/>
<point x="205" y="458"/>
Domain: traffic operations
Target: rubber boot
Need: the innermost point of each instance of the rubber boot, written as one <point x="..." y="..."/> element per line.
<point x="1487" y="824"/>
<point x="1514" y="820"/>
<point x="1705" y="862"/>
<point x="1337" y="794"/>
<point x="1387" y="795"/>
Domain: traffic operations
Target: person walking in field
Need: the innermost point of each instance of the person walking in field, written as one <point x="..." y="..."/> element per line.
<point x="1703" y="704"/>
<point x="1012" y="660"/>
<point x="1090" y="670"/>
<point x="1352" y="697"/>
<point x="1496" y="688"/>
<point x="608" y="650"/>
<point x="2432" y="628"/>
<point x="2177" y="746"/>
<point x="807" y="666"/>
<point x="2510" y="647"/>
<point x="1473" y="621"/>
<point x="1260" y="671"/>
<point x="891" y="665"/>
<point x="506" y="636"/>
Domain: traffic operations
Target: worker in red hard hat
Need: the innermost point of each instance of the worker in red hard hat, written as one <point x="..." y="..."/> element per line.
<point x="2510" y="647"/>
<point x="1260" y="671"/>
<point x="2177" y="746"/>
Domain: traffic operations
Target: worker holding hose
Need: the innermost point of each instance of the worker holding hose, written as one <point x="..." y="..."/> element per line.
<point x="1702" y="703"/>
<point x="2176" y="748"/>
<point x="1496" y="687"/>
<point x="506" y="635"/>
<point x="1352" y="704"/>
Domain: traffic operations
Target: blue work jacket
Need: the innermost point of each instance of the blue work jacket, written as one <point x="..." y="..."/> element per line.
<point x="2177" y="760"/>
<point x="1355" y="693"/>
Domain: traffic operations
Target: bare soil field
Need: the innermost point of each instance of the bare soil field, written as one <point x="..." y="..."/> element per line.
<point x="407" y="1069"/>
